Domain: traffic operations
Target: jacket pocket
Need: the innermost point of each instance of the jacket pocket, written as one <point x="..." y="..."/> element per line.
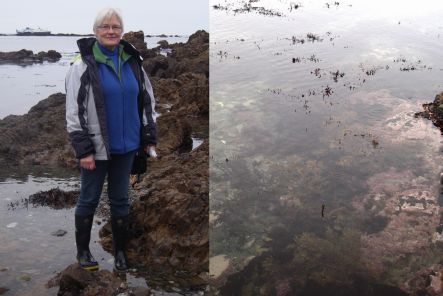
<point x="97" y="139"/>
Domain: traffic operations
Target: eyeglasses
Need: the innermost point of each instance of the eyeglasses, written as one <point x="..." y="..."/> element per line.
<point x="108" y="28"/>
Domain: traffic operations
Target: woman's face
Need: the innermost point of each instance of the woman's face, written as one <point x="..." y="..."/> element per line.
<point x="109" y="32"/>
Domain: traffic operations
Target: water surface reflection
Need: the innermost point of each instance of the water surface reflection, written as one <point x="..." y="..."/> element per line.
<point x="320" y="175"/>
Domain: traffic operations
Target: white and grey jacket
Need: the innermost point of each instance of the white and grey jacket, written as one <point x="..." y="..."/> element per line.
<point x="85" y="106"/>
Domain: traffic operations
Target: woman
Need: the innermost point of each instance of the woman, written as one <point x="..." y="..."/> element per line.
<point x="110" y="114"/>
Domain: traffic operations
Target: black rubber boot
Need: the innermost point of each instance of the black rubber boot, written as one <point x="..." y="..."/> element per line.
<point x="119" y="236"/>
<point x="83" y="225"/>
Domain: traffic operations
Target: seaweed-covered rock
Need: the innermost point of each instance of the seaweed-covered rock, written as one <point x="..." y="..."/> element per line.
<point x="434" y="111"/>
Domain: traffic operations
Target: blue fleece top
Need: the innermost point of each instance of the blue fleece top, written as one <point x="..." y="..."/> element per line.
<point x="120" y="91"/>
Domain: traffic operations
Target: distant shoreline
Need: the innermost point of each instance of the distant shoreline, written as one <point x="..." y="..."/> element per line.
<point x="86" y="35"/>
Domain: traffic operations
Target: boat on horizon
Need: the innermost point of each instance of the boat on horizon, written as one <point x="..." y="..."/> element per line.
<point x="33" y="32"/>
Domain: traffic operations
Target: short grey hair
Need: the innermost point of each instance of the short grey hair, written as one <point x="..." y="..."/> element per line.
<point x="105" y="14"/>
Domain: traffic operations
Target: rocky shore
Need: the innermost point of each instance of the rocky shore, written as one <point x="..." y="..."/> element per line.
<point x="433" y="111"/>
<point x="169" y="218"/>
<point x="24" y="56"/>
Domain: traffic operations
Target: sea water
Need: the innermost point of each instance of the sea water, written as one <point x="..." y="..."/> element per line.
<point x="320" y="173"/>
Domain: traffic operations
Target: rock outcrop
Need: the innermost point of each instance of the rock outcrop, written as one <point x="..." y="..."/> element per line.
<point x="138" y="40"/>
<point x="434" y="111"/>
<point x="38" y="137"/>
<point x="169" y="221"/>
<point x="76" y="281"/>
<point x="189" y="57"/>
<point x="27" y="56"/>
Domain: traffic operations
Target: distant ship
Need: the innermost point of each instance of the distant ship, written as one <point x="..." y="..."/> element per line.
<point x="33" y="32"/>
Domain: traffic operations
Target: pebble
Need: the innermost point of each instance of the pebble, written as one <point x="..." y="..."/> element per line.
<point x="59" y="232"/>
<point x="12" y="225"/>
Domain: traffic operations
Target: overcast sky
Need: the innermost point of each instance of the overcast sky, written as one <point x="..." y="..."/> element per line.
<point x="182" y="17"/>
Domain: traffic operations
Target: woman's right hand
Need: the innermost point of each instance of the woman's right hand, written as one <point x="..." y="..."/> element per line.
<point x="88" y="162"/>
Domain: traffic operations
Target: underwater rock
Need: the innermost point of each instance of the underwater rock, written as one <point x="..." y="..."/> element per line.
<point x="403" y="200"/>
<point x="359" y="287"/>
<point x="289" y="201"/>
<point x="427" y="281"/>
<point x="25" y="277"/>
<point x="217" y="265"/>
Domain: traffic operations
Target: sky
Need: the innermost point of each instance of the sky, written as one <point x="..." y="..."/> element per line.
<point x="181" y="17"/>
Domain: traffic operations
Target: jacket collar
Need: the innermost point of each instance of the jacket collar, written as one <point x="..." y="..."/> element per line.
<point x="86" y="46"/>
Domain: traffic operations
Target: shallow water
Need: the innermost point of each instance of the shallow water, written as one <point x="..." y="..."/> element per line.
<point x="30" y="255"/>
<point x="301" y="129"/>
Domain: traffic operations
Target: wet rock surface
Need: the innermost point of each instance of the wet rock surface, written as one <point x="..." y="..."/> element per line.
<point x="434" y="111"/>
<point x="169" y="221"/>
<point x="38" y="137"/>
<point x="28" y="56"/>
<point x="189" y="57"/>
<point x="76" y="281"/>
<point x="138" y="40"/>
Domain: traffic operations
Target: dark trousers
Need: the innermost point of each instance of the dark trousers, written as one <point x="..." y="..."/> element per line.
<point x="117" y="169"/>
